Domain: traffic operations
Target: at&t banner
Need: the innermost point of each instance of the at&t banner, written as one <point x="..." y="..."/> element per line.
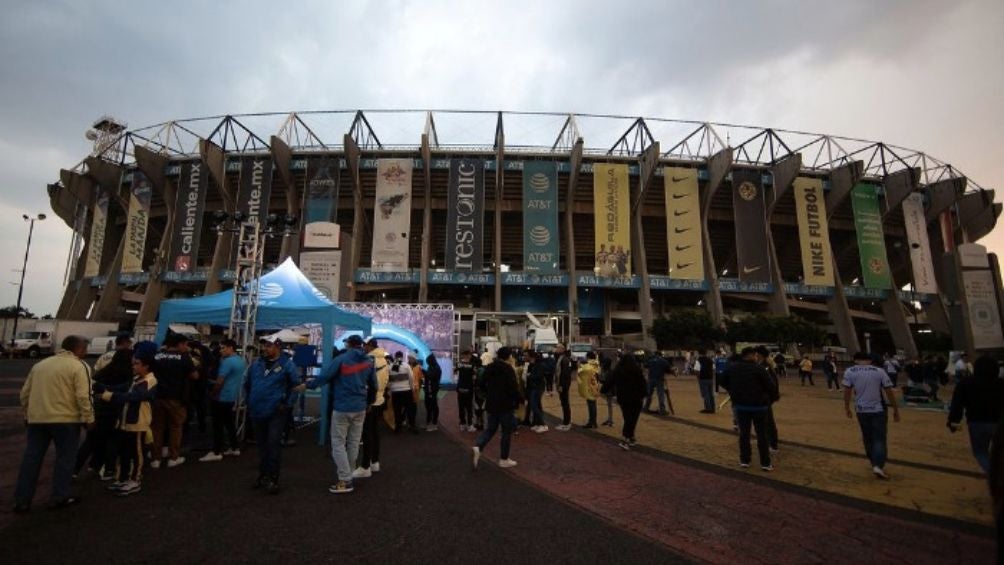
<point x="193" y="182"/>
<point x="683" y="219"/>
<point x="920" y="246"/>
<point x="136" y="223"/>
<point x="255" y="188"/>
<point x="465" y="216"/>
<point x="99" y="225"/>
<point x="540" y="216"/>
<point x="871" y="241"/>
<point x="813" y="232"/>
<point x="612" y="219"/>
<point x="748" y="202"/>
<point x="392" y="215"/>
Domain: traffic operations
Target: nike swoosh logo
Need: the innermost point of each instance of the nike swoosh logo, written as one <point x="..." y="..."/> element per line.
<point x="683" y="247"/>
<point x="683" y="265"/>
<point x="678" y="196"/>
<point x="681" y="230"/>
<point x="748" y="270"/>
<point x="680" y="179"/>
<point x="678" y="213"/>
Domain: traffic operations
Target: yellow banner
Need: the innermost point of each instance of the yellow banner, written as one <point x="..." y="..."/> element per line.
<point x="96" y="243"/>
<point x="813" y="231"/>
<point x="613" y="219"/>
<point x="683" y="223"/>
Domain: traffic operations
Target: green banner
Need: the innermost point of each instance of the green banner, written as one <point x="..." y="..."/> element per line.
<point x="540" y="216"/>
<point x="871" y="241"/>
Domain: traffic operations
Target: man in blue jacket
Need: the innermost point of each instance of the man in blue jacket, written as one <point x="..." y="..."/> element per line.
<point x="354" y="385"/>
<point x="272" y="380"/>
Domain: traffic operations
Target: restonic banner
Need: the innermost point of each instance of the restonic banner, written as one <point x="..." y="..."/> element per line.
<point x="540" y="216"/>
<point x="136" y="223"/>
<point x="813" y="232"/>
<point x="683" y="223"/>
<point x="871" y="241"/>
<point x="193" y="182"/>
<point x="392" y="215"/>
<point x="320" y="200"/>
<point x="255" y="188"/>
<point x="99" y="225"/>
<point x="753" y="256"/>
<point x="465" y="216"/>
<point x="920" y="246"/>
<point x="611" y="193"/>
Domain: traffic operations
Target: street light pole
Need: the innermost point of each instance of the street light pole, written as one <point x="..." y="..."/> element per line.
<point x="24" y="268"/>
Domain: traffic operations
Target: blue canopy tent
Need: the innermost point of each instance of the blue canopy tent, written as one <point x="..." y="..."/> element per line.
<point x="285" y="298"/>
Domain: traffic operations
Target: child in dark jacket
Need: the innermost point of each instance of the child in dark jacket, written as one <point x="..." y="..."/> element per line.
<point x="133" y="424"/>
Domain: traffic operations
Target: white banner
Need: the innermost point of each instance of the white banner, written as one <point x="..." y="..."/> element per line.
<point x="392" y="215"/>
<point x="323" y="269"/>
<point x="96" y="244"/>
<point x="984" y="318"/>
<point x="321" y="234"/>
<point x="920" y="246"/>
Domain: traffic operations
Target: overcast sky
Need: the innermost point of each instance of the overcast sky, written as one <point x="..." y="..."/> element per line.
<point x="927" y="75"/>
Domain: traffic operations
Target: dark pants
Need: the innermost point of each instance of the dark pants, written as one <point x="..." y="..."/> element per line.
<point x="707" y="387"/>
<point x="831" y="381"/>
<point x="371" y="436"/>
<point x="630" y="411"/>
<point x="268" y="434"/>
<point x="465" y="406"/>
<point x="566" y="407"/>
<point x="591" y="408"/>
<point x="65" y="437"/>
<point x="479" y="412"/>
<point x="771" y="428"/>
<point x="758" y="420"/>
<point x="508" y="423"/>
<point x="130" y="456"/>
<point x="893" y="377"/>
<point x="549" y="382"/>
<point x="404" y="409"/>
<point x="980" y="434"/>
<point x="198" y="404"/>
<point x="223" y="422"/>
<point x="873" y="433"/>
<point x="933" y="386"/>
<point x="99" y="446"/>
<point x="536" y="408"/>
<point x="432" y="408"/>
<point x="806" y="375"/>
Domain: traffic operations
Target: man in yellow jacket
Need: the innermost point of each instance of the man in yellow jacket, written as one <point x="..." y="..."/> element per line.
<point x="589" y="385"/>
<point x="56" y="398"/>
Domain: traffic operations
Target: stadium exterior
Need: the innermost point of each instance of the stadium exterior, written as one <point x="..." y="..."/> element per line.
<point x="607" y="220"/>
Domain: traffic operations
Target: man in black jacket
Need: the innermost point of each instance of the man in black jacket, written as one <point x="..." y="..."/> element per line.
<point x="752" y="392"/>
<point x="501" y="399"/>
<point x="566" y="366"/>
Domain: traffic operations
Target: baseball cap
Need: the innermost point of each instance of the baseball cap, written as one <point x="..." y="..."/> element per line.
<point x="269" y="339"/>
<point x="353" y="340"/>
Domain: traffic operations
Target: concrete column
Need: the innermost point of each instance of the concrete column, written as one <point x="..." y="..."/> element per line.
<point x="497" y="239"/>
<point x="282" y="155"/>
<point x="153" y="166"/>
<point x="897" y="187"/>
<point x="647" y="164"/>
<point x="842" y="180"/>
<point x="109" y="177"/>
<point x="718" y="168"/>
<point x="352" y="157"/>
<point x="214" y="160"/>
<point x="784" y="173"/>
<point x="423" y="284"/>
<point x="79" y="292"/>
<point x="574" y="163"/>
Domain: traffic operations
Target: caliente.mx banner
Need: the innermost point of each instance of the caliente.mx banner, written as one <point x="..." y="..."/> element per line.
<point x="540" y="216"/>
<point x="255" y="188"/>
<point x="193" y="183"/>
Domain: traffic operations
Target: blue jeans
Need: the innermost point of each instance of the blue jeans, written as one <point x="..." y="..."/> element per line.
<point x="980" y="434"/>
<point x="707" y="393"/>
<point x="268" y="434"/>
<point x="346" y="430"/>
<point x="66" y="438"/>
<point x="657" y="386"/>
<point x="508" y="423"/>
<point x="536" y="395"/>
<point x="873" y="433"/>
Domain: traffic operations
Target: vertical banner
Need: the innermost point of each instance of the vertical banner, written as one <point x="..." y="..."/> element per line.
<point x="321" y="196"/>
<point x="392" y="215"/>
<point x="323" y="269"/>
<point x="136" y="223"/>
<point x="750" y="208"/>
<point x="193" y="183"/>
<point x="813" y="232"/>
<point x="920" y="246"/>
<point x="683" y="223"/>
<point x="540" y="216"/>
<point x="984" y="317"/>
<point x="612" y="219"/>
<point x="255" y="188"/>
<point x="871" y="241"/>
<point x="465" y="216"/>
<point x="99" y="225"/>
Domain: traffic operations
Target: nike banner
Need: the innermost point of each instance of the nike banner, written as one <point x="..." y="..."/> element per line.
<point x="540" y="216"/>
<point x="920" y="246"/>
<point x="612" y="219"/>
<point x="136" y="223"/>
<point x="255" y="188"/>
<point x="392" y="215"/>
<point x="465" y="217"/>
<point x="683" y="219"/>
<point x="871" y="241"/>
<point x="753" y="256"/>
<point x="193" y="183"/>
<point x="99" y="225"/>
<point x="813" y="232"/>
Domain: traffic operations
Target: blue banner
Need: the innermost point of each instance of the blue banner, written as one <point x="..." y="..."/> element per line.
<point x="540" y="217"/>
<point x="321" y="196"/>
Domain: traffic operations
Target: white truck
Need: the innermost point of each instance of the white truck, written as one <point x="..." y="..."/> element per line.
<point x="49" y="334"/>
<point x="541" y="337"/>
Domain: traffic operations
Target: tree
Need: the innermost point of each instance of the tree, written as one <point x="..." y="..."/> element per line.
<point x="12" y="312"/>
<point x="686" y="329"/>
<point x="768" y="328"/>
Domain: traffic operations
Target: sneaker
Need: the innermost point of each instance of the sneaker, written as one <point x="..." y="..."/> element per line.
<point x="375" y="467"/>
<point x="879" y="472"/>
<point x="341" y="487"/>
<point x="272" y="487"/>
<point x="431" y="428"/>
<point x="361" y="473"/>
<point x="766" y="468"/>
<point x="232" y="452"/>
<point x="175" y="462"/>
<point x="155" y="464"/>
<point x="744" y="465"/>
<point x="623" y="444"/>
<point x="129" y="487"/>
<point x="563" y="427"/>
<point x="207" y="458"/>
<point x="774" y="450"/>
<point x="105" y="477"/>
<point x="539" y="429"/>
<point x="476" y="457"/>
<point x="472" y="428"/>
<point x="117" y="485"/>
<point x="506" y="463"/>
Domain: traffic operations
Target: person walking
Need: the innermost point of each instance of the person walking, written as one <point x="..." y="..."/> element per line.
<point x="402" y="396"/>
<point x="830" y="371"/>
<point x="751" y="391"/>
<point x="629" y="382"/>
<point x="272" y="380"/>
<point x="464" y="375"/>
<point x="430" y="387"/>
<point x="658" y="366"/>
<point x="565" y="368"/>
<point x="175" y="374"/>
<point x="805" y="370"/>
<point x="981" y="399"/>
<point x="223" y="395"/>
<point x="607" y="389"/>
<point x="501" y="400"/>
<point x="589" y="386"/>
<point x="100" y="444"/>
<point x="706" y="382"/>
<point x="891" y="367"/>
<point x="762" y="356"/>
<point x="56" y="398"/>
<point x="135" y="415"/>
<point x="370" y="460"/>
<point x="865" y="383"/>
<point x="354" y="388"/>
<point x="536" y="380"/>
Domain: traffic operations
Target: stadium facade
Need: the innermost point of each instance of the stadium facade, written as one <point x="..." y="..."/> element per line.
<point x="607" y="220"/>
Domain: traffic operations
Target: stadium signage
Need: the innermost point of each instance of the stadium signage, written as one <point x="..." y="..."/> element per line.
<point x="191" y="199"/>
<point x="255" y="188"/>
<point x="321" y="197"/>
<point x="920" y="246"/>
<point x="871" y="240"/>
<point x="534" y="279"/>
<point x="632" y="281"/>
<point x="137" y="223"/>
<point x="392" y="215"/>
<point x="740" y="286"/>
<point x="657" y="282"/>
<point x="751" y="227"/>
<point x="798" y="289"/>
<point x="96" y="242"/>
<point x="813" y="231"/>
<point x="683" y="224"/>
<point x="863" y="293"/>
<point x="612" y="222"/>
<point x="540" y="216"/>
<point x="461" y="278"/>
<point x="465" y="216"/>
<point x="368" y="276"/>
